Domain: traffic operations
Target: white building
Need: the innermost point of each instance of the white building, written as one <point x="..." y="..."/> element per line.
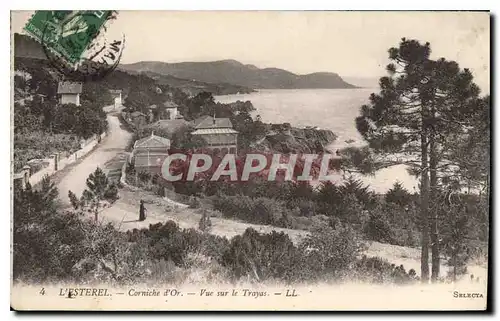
<point x="171" y="109"/>
<point x="69" y="92"/>
<point x="149" y="153"/>
<point x="117" y="96"/>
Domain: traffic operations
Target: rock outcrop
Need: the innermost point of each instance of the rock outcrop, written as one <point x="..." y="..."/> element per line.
<point x="283" y="138"/>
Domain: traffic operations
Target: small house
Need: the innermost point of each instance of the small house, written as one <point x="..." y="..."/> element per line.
<point x="117" y="96"/>
<point x="171" y="109"/>
<point x="150" y="152"/>
<point x="69" y="92"/>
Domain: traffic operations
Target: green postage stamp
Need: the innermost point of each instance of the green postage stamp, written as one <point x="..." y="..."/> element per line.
<point x="67" y="33"/>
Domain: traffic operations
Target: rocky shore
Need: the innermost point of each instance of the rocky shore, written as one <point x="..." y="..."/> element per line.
<point x="284" y="138"/>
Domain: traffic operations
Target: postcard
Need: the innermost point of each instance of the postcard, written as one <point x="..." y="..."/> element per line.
<point x="250" y="160"/>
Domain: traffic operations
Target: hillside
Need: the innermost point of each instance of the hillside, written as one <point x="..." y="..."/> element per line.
<point x="234" y="72"/>
<point x="27" y="49"/>
<point x="193" y="87"/>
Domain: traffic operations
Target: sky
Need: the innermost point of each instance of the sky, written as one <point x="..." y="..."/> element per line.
<point x="352" y="44"/>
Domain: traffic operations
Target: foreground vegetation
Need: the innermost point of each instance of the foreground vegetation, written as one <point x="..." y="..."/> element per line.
<point x="51" y="245"/>
<point x="391" y="218"/>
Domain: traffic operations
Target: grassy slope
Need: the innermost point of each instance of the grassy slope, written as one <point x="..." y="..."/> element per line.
<point x="124" y="213"/>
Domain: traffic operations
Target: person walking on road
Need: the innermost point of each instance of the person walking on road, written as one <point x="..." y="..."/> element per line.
<point x="142" y="211"/>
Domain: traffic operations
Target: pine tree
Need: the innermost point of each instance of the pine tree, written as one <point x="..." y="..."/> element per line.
<point x="98" y="189"/>
<point x="455" y="240"/>
<point x="398" y="195"/>
<point x="422" y="104"/>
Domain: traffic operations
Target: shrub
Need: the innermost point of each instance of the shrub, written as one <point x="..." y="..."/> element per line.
<point x="259" y="210"/>
<point x="144" y="176"/>
<point x="194" y="202"/>
<point x="378" y="270"/>
<point x="111" y="193"/>
<point x="262" y="256"/>
<point x="167" y="242"/>
<point x="39" y="144"/>
<point x="329" y="252"/>
<point x="305" y="207"/>
<point x="300" y="223"/>
<point x="159" y="190"/>
<point x="320" y="221"/>
<point x="205" y="224"/>
<point x="349" y="210"/>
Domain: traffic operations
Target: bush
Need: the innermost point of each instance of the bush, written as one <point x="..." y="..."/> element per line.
<point x="111" y="193"/>
<point x="144" y="176"/>
<point x="262" y="256"/>
<point x="205" y="224"/>
<point x="378" y="270"/>
<point x="305" y="207"/>
<point x="300" y="223"/>
<point x="194" y="202"/>
<point x="159" y="190"/>
<point x="329" y="253"/>
<point x="167" y="242"/>
<point x="39" y="144"/>
<point x="259" y="210"/>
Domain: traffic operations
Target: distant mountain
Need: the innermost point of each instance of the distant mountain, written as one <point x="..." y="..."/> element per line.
<point x="234" y="72"/>
<point x="193" y="87"/>
<point x="26" y="49"/>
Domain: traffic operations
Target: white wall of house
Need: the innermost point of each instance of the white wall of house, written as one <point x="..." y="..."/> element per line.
<point x="70" y="99"/>
<point x="118" y="102"/>
<point x="118" y="98"/>
<point x="221" y="139"/>
<point x="173" y="112"/>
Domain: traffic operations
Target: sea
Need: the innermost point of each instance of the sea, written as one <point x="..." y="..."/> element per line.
<point x="334" y="109"/>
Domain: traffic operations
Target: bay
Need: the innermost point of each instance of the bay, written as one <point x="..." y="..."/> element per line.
<point x="334" y="109"/>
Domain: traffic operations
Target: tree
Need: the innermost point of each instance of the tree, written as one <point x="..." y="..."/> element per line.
<point x="98" y="189"/>
<point x="398" y="195"/>
<point x="95" y="92"/>
<point x="421" y="104"/>
<point x="378" y="228"/>
<point x="20" y="82"/>
<point x="355" y="187"/>
<point x="470" y="153"/>
<point x="45" y="243"/>
<point x="200" y="104"/>
<point x="30" y="204"/>
<point x="456" y="232"/>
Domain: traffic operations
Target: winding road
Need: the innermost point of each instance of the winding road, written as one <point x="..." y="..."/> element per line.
<point x="114" y="143"/>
